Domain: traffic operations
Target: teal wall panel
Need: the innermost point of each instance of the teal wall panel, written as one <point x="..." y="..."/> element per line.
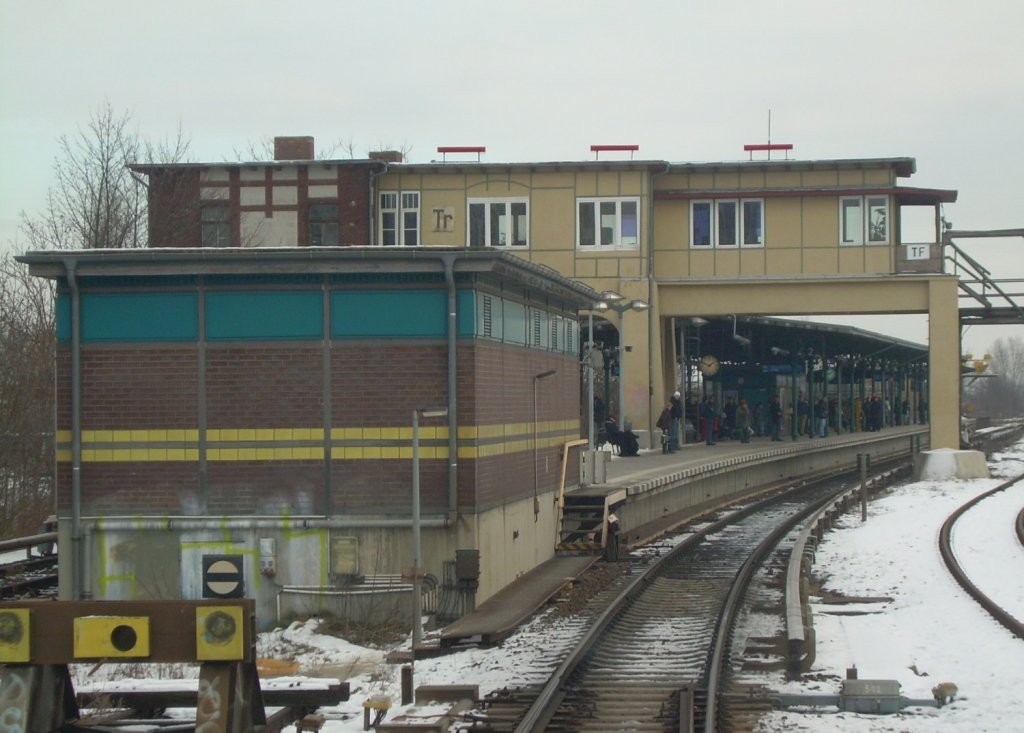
<point x="465" y="307"/>
<point x="264" y="315"/>
<point x="389" y="314"/>
<point x="138" y="316"/>
<point x="514" y="323"/>
<point x="63" y="317"/>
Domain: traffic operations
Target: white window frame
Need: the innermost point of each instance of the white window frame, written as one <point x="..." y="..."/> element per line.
<point x="405" y="208"/>
<point x="488" y="204"/>
<point x="616" y="239"/>
<point x="715" y="211"/>
<point x="864" y="225"/>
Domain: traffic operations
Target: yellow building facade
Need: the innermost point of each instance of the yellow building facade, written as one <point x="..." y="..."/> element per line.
<point x="773" y="237"/>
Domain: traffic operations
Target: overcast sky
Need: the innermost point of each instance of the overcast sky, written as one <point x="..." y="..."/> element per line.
<point x="941" y="81"/>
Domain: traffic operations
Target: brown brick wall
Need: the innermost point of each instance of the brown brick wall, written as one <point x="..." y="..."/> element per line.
<point x="264" y="387"/>
<point x="174" y="218"/>
<point x="268" y="386"/>
<point x="133" y="388"/>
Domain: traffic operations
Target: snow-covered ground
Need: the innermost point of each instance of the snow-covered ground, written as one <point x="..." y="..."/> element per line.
<point x="930" y="631"/>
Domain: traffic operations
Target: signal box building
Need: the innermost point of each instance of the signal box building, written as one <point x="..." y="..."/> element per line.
<point x="251" y="422"/>
<point x="694" y="241"/>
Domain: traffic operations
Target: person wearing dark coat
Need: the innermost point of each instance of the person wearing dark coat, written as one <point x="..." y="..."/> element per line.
<point x="709" y="415"/>
<point x="664" y="424"/>
<point x="626" y="440"/>
<point x="676" y="404"/>
<point x="775" y="418"/>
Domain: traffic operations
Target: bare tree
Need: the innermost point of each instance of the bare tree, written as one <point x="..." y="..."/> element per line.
<point x="1001" y="394"/>
<point x="94" y="202"/>
<point x="26" y="399"/>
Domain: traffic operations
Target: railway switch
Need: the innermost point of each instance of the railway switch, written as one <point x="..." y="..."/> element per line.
<point x="98" y="637"/>
<point x="219" y="633"/>
<point x="14" y="636"/>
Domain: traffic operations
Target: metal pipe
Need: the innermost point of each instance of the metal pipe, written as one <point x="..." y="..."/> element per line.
<point x="168" y="524"/>
<point x="417" y="606"/>
<point x="448" y="261"/>
<point x="536" y="455"/>
<point x="77" y="550"/>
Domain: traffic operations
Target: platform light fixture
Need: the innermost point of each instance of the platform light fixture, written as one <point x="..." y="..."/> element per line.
<point x="417" y="559"/>
<point x="603" y="303"/>
<point x="634" y="305"/>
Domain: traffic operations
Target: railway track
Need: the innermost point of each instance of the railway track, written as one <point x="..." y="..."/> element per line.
<point x="1013" y="624"/>
<point x="32" y="574"/>
<point x="657" y="656"/>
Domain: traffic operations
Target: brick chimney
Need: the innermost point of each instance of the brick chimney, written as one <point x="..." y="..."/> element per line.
<point x="387" y="156"/>
<point x="293" y="148"/>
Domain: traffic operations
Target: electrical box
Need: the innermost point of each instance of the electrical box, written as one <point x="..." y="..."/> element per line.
<point x="97" y="637"/>
<point x="345" y="556"/>
<point x="220" y="633"/>
<point x="268" y="557"/>
<point x="870" y="696"/>
<point x="14" y="636"/>
<point x="467" y="565"/>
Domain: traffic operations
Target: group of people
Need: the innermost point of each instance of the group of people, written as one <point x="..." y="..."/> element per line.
<point x="738" y="420"/>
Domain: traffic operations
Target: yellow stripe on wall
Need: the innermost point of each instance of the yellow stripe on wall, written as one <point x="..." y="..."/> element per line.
<point x="305" y="444"/>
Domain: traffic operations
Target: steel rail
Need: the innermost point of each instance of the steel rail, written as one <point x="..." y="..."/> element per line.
<point x="543" y="708"/>
<point x="946" y="550"/>
<point x="547" y="702"/>
<point x="1020" y="525"/>
<point x="734" y="601"/>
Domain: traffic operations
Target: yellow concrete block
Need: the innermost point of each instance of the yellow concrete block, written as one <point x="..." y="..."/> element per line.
<point x="220" y="633"/>
<point x="262" y="454"/>
<point x="14" y="636"/>
<point x="98" y="637"/>
<point x="283" y="434"/>
<point x="264" y="434"/>
<point x="245" y="435"/>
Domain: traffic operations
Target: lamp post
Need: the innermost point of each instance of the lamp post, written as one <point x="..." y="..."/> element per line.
<point x="608" y="296"/>
<point x="621" y="308"/>
<point x="417" y="560"/>
<point x="536" y="456"/>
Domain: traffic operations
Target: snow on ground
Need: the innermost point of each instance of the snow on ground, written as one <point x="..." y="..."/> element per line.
<point x="930" y="631"/>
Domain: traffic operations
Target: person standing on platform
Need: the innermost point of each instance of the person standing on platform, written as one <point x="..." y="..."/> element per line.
<point x="676" y="404"/>
<point x="743" y="421"/>
<point x="709" y="415"/>
<point x="775" y="418"/>
<point x="665" y="425"/>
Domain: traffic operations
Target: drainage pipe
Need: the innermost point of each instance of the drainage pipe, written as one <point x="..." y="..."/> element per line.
<point x="77" y="550"/>
<point x="219" y="523"/>
<point x="448" y="260"/>
<point x="651" y="332"/>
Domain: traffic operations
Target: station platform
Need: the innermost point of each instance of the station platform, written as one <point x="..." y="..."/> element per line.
<point x="665" y="476"/>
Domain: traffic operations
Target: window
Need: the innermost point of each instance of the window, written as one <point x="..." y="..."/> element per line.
<point x="323" y="225"/>
<point x="864" y="214"/>
<point x="498" y="223"/>
<point x="400" y="218"/>
<point x="608" y="222"/>
<point x="727" y="223"/>
<point x="216" y="226"/>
